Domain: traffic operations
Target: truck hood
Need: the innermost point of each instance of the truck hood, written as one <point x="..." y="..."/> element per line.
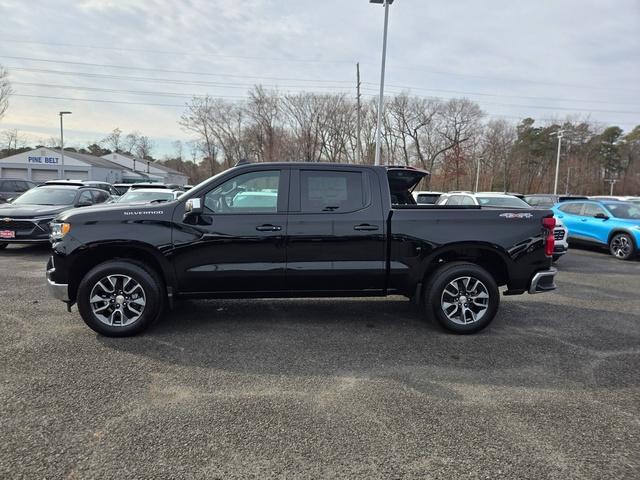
<point x="10" y="210"/>
<point x="115" y="210"/>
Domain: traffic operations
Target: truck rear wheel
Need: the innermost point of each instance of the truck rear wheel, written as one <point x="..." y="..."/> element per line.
<point x="120" y="298"/>
<point x="462" y="297"/>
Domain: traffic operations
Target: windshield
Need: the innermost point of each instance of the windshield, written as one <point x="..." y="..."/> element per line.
<point x="503" y="202"/>
<point x="137" y="196"/>
<point x="624" y="210"/>
<point x="47" y="196"/>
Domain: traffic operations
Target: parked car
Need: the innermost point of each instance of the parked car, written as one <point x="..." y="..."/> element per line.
<point x="548" y="200"/>
<point x="13" y="187"/>
<point x="426" y="198"/>
<point x="503" y="200"/>
<point x="485" y="199"/>
<point x="607" y="223"/>
<point x="106" y="186"/>
<point x="332" y="231"/>
<point x="168" y="186"/>
<point x="26" y="219"/>
<point x="634" y="200"/>
<point x="149" y="195"/>
<point x="121" y="188"/>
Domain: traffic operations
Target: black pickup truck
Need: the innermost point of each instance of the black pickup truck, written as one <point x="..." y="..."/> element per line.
<point x="298" y="230"/>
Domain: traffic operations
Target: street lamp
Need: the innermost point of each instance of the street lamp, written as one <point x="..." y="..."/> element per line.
<point x="559" y="133"/>
<point x="62" y="143"/>
<point x="386" y="4"/>
<point x="478" y="174"/>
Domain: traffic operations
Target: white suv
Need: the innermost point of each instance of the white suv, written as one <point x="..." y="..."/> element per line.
<point x="502" y="200"/>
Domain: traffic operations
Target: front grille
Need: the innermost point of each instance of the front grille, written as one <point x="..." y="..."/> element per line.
<point x="17" y="225"/>
<point x="558" y="234"/>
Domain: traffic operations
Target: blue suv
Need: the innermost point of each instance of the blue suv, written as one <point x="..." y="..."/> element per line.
<point x="608" y="223"/>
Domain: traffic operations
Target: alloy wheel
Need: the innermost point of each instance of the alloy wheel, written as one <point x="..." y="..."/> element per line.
<point x="465" y="300"/>
<point x="117" y="300"/>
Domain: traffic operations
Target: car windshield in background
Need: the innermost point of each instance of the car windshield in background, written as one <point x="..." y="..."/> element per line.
<point x="47" y="196"/>
<point x="263" y="199"/>
<point x="627" y="211"/>
<point x="134" y="196"/>
<point x="503" y="202"/>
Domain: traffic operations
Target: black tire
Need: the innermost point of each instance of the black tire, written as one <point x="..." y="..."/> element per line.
<point x="622" y="246"/>
<point x="152" y="289"/>
<point x="3" y="245"/>
<point x="434" y="295"/>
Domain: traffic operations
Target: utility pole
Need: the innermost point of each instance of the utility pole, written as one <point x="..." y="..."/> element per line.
<point x="359" y="121"/>
<point x="559" y="133"/>
<point x="62" y="143"/>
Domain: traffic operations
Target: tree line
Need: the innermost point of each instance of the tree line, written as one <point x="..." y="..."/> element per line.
<point x="453" y="139"/>
<point x="449" y="138"/>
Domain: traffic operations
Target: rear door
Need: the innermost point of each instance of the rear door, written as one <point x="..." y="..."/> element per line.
<point x="237" y="243"/>
<point x="336" y="231"/>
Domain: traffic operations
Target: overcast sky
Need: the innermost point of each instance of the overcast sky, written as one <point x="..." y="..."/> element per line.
<point x="546" y="59"/>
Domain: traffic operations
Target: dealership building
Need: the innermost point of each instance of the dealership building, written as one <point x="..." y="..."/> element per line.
<point x="42" y="164"/>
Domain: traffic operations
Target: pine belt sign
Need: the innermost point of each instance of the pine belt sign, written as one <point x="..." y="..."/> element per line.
<point x="45" y="160"/>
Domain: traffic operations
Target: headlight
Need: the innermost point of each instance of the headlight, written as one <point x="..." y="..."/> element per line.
<point x="59" y="230"/>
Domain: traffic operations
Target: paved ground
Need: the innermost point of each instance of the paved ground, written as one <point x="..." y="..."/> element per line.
<point x="326" y="388"/>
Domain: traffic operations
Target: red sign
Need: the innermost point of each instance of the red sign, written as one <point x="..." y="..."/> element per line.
<point x="7" y="234"/>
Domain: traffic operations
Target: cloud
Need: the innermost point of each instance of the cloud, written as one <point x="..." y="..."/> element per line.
<point x="514" y="58"/>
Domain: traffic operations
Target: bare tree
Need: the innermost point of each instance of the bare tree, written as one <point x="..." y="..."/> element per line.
<point x="5" y="91"/>
<point x="197" y="119"/>
<point x="114" y="140"/>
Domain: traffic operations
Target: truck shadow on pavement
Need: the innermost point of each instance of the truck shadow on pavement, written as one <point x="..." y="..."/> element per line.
<point x="527" y="345"/>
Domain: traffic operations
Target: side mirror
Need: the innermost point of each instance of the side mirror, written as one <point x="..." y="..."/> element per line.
<point x="601" y="216"/>
<point x="193" y="207"/>
<point x="9" y="200"/>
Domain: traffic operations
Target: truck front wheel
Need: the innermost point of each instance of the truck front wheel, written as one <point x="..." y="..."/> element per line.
<point x="462" y="297"/>
<point x="120" y="298"/>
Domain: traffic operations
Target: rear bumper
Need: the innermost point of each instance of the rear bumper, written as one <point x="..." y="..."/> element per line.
<point x="543" y="281"/>
<point x="59" y="291"/>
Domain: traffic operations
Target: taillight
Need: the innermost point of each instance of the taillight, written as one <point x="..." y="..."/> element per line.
<point x="549" y="224"/>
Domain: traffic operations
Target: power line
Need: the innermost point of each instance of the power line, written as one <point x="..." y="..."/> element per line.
<point x="182" y="72"/>
<point x="236" y="85"/>
<point x="484" y="94"/>
<point x="410" y="67"/>
<point x="165" y="80"/>
<point x="175" y="52"/>
<point x="99" y="101"/>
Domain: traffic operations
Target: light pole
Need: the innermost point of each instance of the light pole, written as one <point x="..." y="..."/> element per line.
<point x="62" y="143"/>
<point x="478" y="174"/>
<point x="386" y="4"/>
<point x="559" y="133"/>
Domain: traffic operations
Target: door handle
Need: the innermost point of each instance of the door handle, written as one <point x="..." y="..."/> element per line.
<point x="365" y="227"/>
<point x="269" y="228"/>
<point x="583" y="219"/>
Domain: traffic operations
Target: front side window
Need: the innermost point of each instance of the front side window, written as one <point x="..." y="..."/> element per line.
<point x="253" y="192"/>
<point x="324" y="191"/>
<point x="85" y="198"/>
<point x="629" y="211"/>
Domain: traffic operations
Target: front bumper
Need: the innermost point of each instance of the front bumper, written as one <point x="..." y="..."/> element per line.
<point x="543" y="281"/>
<point x="59" y="291"/>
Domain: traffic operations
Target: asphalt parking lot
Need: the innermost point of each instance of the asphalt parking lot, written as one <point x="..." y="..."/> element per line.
<point x="325" y="388"/>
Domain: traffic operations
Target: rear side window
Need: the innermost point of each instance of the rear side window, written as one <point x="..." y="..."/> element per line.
<point x="324" y="191"/>
<point x="573" y="208"/>
<point x="454" y="200"/>
<point x="591" y="210"/>
<point x="467" y="201"/>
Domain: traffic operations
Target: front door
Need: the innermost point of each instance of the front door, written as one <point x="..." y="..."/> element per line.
<point x="237" y="243"/>
<point x="335" y="235"/>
